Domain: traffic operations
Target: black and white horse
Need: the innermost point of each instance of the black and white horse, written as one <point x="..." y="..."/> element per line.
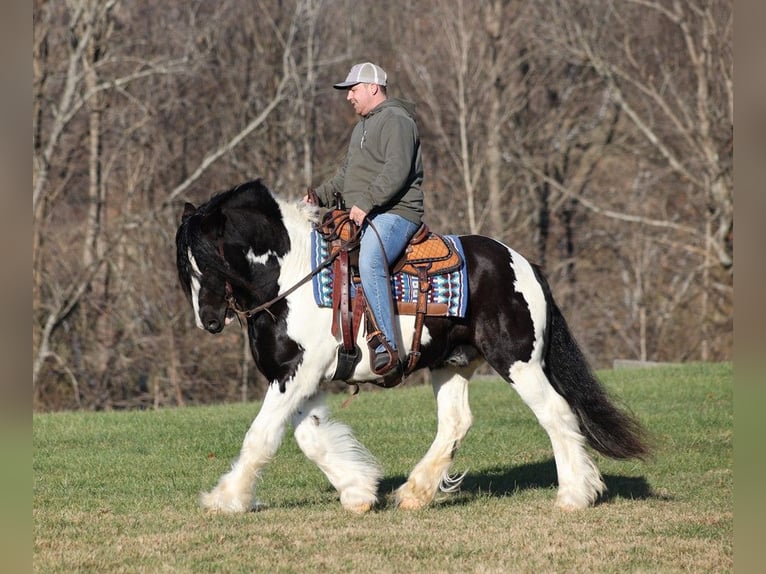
<point x="245" y="247"/>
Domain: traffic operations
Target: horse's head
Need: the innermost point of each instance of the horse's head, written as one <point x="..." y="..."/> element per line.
<point x="228" y="253"/>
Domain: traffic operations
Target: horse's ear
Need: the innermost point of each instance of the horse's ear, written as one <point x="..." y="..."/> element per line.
<point x="213" y="223"/>
<point x="189" y="209"/>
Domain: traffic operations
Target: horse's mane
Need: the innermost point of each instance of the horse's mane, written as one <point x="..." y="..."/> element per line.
<point x="299" y="211"/>
<point x="297" y="217"/>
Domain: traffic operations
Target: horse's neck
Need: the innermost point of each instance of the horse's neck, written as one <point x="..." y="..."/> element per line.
<point x="298" y="220"/>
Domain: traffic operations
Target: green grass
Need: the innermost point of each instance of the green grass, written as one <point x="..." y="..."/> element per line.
<point x="117" y="492"/>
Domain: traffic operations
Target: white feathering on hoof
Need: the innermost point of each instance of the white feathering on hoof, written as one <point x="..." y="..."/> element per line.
<point x="451" y="483"/>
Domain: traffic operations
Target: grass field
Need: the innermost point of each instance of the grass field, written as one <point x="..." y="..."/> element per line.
<point x="117" y="492"/>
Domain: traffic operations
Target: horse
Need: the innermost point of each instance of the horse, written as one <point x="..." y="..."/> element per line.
<point x="246" y="252"/>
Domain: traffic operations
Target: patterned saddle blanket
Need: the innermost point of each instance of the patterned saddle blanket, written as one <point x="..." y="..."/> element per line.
<point x="447" y="295"/>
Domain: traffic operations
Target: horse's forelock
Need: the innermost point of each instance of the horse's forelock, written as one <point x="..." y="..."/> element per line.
<point x="192" y="240"/>
<point x="183" y="264"/>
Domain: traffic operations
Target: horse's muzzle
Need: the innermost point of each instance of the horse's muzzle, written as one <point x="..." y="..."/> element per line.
<point x="215" y="325"/>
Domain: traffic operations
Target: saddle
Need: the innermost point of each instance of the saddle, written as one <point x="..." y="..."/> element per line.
<point x="426" y="254"/>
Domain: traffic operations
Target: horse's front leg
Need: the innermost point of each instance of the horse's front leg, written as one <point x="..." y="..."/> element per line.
<point x="348" y="465"/>
<point x="234" y="492"/>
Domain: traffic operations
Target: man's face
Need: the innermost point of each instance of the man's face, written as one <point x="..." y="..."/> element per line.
<point x="361" y="97"/>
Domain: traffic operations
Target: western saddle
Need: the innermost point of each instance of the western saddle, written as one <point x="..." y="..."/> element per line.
<point x="426" y="254"/>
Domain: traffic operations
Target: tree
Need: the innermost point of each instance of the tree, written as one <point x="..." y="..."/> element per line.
<point x="462" y="81"/>
<point x="594" y="137"/>
<point x="667" y="66"/>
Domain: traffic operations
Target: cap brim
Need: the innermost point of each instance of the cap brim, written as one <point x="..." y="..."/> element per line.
<point x="345" y="85"/>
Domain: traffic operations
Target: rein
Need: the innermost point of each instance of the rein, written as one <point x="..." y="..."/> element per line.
<point x="265" y="306"/>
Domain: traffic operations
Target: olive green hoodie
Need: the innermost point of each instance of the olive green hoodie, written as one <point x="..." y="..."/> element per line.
<point x="383" y="171"/>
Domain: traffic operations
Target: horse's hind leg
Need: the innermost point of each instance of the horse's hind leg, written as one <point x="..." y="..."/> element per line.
<point x="349" y="466"/>
<point x="580" y="482"/>
<point x="454" y="421"/>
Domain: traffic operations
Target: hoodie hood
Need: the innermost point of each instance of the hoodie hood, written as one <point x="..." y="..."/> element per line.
<point x="406" y="105"/>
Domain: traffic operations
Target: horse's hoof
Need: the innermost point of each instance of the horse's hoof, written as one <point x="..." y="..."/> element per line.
<point x="569" y="507"/>
<point x="360" y="508"/>
<point x="410" y="504"/>
<point x="570" y="504"/>
<point x="216" y="503"/>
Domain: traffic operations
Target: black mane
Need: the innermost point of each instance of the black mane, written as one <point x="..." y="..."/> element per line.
<point x="232" y="223"/>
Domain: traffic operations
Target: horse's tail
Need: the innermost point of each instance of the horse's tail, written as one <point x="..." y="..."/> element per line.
<point x="610" y="430"/>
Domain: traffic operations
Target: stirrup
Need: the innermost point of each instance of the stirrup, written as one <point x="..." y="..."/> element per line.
<point x="385" y="361"/>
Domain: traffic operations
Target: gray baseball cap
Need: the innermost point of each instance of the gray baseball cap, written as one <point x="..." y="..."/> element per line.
<point x="365" y="73"/>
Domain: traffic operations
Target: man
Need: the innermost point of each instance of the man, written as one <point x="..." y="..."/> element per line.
<point x="380" y="180"/>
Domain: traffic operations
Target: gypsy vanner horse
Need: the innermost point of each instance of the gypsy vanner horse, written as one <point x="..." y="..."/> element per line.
<point x="245" y="247"/>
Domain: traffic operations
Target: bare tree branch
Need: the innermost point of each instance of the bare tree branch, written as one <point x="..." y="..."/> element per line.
<point x="228" y="146"/>
<point x="607" y="212"/>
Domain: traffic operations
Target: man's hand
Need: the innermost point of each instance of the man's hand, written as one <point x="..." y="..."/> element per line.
<point x="311" y="197"/>
<point x="357" y="215"/>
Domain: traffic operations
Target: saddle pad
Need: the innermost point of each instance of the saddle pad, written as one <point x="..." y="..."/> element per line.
<point x="450" y="289"/>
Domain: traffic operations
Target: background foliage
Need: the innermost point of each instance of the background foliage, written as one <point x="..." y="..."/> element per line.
<point x="593" y="136"/>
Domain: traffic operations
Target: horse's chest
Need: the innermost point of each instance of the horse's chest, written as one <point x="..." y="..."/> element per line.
<point x="275" y="353"/>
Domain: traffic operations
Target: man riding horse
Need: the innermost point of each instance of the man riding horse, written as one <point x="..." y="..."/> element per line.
<point x="380" y="180"/>
<point x="247" y="253"/>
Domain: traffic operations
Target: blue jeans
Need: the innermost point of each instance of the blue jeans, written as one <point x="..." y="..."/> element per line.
<point x="394" y="231"/>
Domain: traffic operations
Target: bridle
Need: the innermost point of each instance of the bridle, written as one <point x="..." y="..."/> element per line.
<point x="231" y="300"/>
